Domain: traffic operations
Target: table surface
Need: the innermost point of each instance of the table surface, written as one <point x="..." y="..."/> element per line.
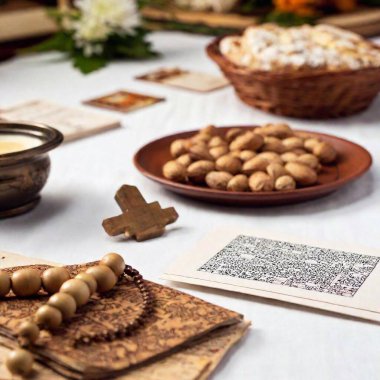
<point x="286" y="341"/>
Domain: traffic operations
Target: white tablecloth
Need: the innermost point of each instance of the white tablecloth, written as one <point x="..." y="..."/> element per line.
<point x="286" y="342"/>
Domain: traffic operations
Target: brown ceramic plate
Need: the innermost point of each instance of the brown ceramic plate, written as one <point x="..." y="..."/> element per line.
<point x="353" y="162"/>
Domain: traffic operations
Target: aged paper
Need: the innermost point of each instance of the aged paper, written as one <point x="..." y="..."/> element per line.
<point x="196" y="362"/>
<point x="73" y="123"/>
<point x="340" y="279"/>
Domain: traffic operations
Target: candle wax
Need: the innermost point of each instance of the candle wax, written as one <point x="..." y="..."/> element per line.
<point x="17" y="143"/>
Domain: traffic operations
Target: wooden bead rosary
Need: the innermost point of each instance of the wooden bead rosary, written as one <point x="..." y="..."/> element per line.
<point x="66" y="296"/>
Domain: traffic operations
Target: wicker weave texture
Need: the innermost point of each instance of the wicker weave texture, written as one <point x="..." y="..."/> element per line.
<point x="316" y="95"/>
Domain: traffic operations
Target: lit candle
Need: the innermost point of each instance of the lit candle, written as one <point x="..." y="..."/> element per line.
<point x="17" y="143"/>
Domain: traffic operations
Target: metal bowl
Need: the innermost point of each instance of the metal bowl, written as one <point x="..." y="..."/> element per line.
<point x="24" y="173"/>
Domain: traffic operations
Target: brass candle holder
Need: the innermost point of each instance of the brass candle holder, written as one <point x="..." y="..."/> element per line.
<point x="24" y="164"/>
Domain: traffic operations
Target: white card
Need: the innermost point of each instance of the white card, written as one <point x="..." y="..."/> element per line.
<point x="74" y="123"/>
<point x="189" y="80"/>
<point x="338" y="279"/>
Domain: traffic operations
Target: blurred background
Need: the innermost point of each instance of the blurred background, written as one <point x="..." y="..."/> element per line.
<point x="26" y="22"/>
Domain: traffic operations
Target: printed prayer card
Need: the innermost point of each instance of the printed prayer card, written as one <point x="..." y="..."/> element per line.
<point x="188" y="80"/>
<point x="337" y="279"/>
<point x="73" y="122"/>
<point x="124" y="101"/>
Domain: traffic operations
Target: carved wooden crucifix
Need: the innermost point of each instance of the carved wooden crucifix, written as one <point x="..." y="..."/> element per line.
<point x="139" y="219"/>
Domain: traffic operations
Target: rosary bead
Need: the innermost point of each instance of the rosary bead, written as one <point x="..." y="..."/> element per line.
<point x="78" y="289"/>
<point x="65" y="303"/>
<point x="28" y="332"/>
<point x="49" y="317"/>
<point x="53" y="278"/>
<point x="105" y="277"/>
<point x="19" y="362"/>
<point x="89" y="279"/>
<point x="26" y="282"/>
<point x="115" y="262"/>
<point x="128" y="268"/>
<point x="5" y="283"/>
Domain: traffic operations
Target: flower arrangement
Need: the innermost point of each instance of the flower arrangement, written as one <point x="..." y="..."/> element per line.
<point x="94" y="32"/>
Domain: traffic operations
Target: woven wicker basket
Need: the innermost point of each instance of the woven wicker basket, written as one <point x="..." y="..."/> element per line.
<point x="317" y="95"/>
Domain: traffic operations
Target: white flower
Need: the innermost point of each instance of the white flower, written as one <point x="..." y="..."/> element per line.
<point x="89" y="29"/>
<point x="119" y="14"/>
<point x="101" y="18"/>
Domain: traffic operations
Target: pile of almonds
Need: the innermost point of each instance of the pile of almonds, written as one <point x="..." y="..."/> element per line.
<point x="267" y="158"/>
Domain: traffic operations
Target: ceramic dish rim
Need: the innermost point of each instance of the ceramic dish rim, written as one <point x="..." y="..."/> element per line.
<point x="49" y="137"/>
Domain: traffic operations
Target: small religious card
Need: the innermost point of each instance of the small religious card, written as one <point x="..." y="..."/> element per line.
<point x="124" y="101"/>
<point x="73" y="122"/>
<point x="337" y="279"/>
<point x="189" y="80"/>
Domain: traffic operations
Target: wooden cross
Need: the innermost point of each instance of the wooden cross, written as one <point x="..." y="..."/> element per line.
<point x="139" y="219"/>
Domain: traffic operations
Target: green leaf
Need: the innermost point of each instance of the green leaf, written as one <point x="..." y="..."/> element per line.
<point x="129" y="45"/>
<point x="55" y="14"/>
<point x="249" y="7"/>
<point x="132" y="45"/>
<point x="288" y="19"/>
<point x="88" y="64"/>
<point x="61" y="41"/>
<point x="142" y="50"/>
<point x="154" y="3"/>
<point x="194" y="28"/>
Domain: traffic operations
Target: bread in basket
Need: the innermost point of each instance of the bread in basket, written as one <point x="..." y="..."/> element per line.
<point x="332" y="79"/>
